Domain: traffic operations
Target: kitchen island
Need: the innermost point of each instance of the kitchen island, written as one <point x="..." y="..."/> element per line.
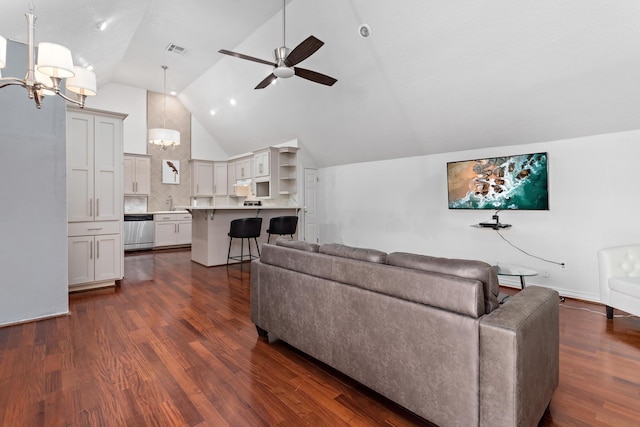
<point x="210" y="226"/>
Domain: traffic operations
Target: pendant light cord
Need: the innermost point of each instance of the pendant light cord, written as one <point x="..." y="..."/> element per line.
<point x="164" y="108"/>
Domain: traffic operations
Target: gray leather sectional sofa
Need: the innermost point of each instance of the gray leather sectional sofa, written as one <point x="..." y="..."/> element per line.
<point x="426" y="332"/>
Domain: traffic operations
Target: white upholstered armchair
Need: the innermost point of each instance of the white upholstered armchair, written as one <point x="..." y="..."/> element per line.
<point x="620" y="278"/>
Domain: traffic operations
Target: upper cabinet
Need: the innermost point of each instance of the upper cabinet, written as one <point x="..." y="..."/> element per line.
<point x="94" y="156"/>
<point x="271" y="171"/>
<point x="231" y="178"/>
<point x="202" y="178"/>
<point x="137" y="175"/>
<point x="220" y="177"/>
<point x="243" y="168"/>
<point x="261" y="163"/>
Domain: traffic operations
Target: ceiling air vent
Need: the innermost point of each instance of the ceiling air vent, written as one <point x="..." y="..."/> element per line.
<point x="174" y="48"/>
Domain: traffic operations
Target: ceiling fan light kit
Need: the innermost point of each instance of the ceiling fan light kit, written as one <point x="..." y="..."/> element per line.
<point x="54" y="64"/>
<point x="286" y="59"/>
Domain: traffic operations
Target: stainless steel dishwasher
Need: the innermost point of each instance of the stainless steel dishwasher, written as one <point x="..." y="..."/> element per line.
<point x="138" y="232"/>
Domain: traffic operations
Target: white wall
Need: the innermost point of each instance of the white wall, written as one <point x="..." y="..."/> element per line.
<point x="127" y="100"/>
<point x="401" y="205"/>
<point x="203" y="146"/>
<point x="33" y="222"/>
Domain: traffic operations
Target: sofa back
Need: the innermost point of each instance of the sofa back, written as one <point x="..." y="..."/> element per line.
<point x="401" y="276"/>
<point x="456" y="267"/>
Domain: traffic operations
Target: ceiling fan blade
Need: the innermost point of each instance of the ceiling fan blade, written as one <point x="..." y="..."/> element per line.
<point x="247" y="57"/>
<point x="266" y="82"/>
<point x="303" y="51"/>
<point x="314" y="76"/>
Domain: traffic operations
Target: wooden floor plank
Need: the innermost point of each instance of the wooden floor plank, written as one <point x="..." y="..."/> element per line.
<point x="174" y="345"/>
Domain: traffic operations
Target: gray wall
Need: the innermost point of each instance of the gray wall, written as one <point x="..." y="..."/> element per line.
<point x="33" y="201"/>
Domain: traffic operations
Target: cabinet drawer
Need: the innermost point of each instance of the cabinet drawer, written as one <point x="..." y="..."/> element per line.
<point x="172" y="217"/>
<point x="93" y="228"/>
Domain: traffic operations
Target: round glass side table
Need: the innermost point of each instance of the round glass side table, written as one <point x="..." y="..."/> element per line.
<point x="515" y="270"/>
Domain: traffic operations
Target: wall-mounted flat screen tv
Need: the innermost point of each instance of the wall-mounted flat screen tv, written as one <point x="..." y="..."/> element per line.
<point x="509" y="182"/>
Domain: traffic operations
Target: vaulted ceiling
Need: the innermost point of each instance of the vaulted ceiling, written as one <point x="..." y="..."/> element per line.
<point x="434" y="76"/>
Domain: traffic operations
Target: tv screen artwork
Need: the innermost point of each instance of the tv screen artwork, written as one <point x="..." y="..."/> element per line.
<point x="510" y="182"/>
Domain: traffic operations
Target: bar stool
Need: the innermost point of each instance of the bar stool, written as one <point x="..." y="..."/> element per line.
<point x="244" y="228"/>
<point x="282" y="225"/>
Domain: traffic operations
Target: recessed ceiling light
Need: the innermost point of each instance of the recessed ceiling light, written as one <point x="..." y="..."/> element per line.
<point x="212" y="112"/>
<point x="90" y="67"/>
<point x="173" y="93"/>
<point x="102" y="25"/>
<point x="232" y="101"/>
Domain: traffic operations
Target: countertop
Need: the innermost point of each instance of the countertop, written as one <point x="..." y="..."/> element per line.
<point x="156" y="212"/>
<point x="251" y="208"/>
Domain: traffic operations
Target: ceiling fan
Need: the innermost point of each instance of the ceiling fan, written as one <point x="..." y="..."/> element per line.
<point x="286" y="59"/>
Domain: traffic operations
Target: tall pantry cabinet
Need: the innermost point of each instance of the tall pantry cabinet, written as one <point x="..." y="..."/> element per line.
<point x="94" y="198"/>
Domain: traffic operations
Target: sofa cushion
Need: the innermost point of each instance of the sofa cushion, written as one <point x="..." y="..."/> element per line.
<point x="288" y="242"/>
<point x="452" y="293"/>
<point x="362" y="254"/>
<point x="456" y="267"/>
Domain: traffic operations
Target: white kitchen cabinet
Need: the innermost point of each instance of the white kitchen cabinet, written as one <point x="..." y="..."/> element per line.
<point x="183" y="232"/>
<point x="94" y="198"/>
<point x="266" y="173"/>
<point x="261" y="163"/>
<point x="172" y="229"/>
<point x="202" y="178"/>
<point x="231" y="178"/>
<point x="137" y="175"/>
<point x="94" y="259"/>
<point x="220" y="176"/>
<point x="243" y="168"/>
<point x="94" y="158"/>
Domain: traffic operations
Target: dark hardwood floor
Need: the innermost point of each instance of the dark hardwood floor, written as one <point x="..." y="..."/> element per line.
<point x="174" y="345"/>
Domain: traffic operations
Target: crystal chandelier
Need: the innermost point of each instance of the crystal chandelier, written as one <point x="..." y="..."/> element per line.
<point x="54" y="64"/>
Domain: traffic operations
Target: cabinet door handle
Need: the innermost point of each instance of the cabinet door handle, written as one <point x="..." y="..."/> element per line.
<point x="198" y="188"/>
<point x="98" y="249"/>
<point x="94" y="229"/>
<point x="90" y="250"/>
<point x="90" y="207"/>
<point x="175" y="228"/>
<point x="97" y="207"/>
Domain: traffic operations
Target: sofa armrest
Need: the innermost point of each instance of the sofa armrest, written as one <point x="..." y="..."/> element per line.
<point x="519" y="358"/>
<point x="620" y="261"/>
